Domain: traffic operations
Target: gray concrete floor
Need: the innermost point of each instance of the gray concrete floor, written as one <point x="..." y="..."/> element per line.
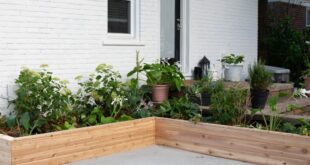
<point x="158" y="155"/>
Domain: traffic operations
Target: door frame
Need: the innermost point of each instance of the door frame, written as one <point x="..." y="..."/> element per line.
<point x="177" y="30"/>
<point x="185" y="38"/>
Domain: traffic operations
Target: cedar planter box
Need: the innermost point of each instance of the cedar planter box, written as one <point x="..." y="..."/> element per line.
<point x="77" y="144"/>
<point x="243" y="144"/>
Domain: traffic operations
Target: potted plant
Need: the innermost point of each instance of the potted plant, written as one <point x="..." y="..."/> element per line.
<point x="260" y="80"/>
<point x="232" y="67"/>
<point x="161" y="76"/>
<point x="201" y="91"/>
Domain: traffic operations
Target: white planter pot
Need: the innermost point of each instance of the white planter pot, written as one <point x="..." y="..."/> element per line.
<point x="233" y="72"/>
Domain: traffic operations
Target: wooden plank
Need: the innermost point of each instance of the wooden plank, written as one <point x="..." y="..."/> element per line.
<point x="83" y="143"/>
<point x="243" y="144"/>
<point x="5" y="149"/>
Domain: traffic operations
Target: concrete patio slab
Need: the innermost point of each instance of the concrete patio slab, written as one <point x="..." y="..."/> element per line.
<point x="159" y="155"/>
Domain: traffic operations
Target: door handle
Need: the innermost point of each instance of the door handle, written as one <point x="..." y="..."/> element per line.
<point x="178" y="24"/>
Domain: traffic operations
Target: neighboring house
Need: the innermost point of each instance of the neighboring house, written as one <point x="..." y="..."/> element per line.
<point x="299" y="10"/>
<point x="73" y="36"/>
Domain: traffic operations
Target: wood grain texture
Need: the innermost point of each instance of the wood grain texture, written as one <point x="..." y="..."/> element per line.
<point x="256" y="146"/>
<point x="83" y="143"/>
<point x="5" y="149"/>
<point x="243" y="144"/>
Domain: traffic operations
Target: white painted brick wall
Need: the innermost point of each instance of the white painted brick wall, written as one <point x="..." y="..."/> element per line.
<point x="68" y="35"/>
<point x="223" y="27"/>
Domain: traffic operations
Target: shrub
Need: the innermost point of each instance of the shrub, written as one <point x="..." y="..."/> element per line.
<point x="228" y="106"/>
<point x="101" y="98"/>
<point x="43" y="102"/>
<point x="260" y="78"/>
<point x="286" y="47"/>
<point x="179" y="108"/>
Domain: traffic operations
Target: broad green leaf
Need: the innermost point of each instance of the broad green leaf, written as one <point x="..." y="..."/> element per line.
<point x="11" y="121"/>
<point x="125" y="118"/>
<point x="24" y="120"/>
<point x="106" y="120"/>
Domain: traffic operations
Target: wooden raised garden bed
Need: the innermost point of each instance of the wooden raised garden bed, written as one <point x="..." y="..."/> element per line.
<point x="250" y="145"/>
<point x="73" y="145"/>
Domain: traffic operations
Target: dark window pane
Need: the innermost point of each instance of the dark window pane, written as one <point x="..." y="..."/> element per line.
<point x="119" y="16"/>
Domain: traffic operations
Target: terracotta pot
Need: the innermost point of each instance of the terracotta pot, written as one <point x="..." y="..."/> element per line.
<point x="307" y="83"/>
<point x="160" y="93"/>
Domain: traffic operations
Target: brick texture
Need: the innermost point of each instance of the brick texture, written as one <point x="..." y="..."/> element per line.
<point x="297" y="12"/>
<point x="69" y="35"/>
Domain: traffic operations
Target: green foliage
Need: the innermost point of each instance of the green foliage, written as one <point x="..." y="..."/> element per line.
<point x="158" y="74"/>
<point x="102" y="95"/>
<point x="306" y="72"/>
<point x="134" y="92"/>
<point x="302" y="128"/>
<point x="204" y="85"/>
<point x="144" y="109"/>
<point x="201" y="86"/>
<point x="286" y="47"/>
<point x="233" y="59"/>
<point x="306" y="33"/>
<point x="260" y="78"/>
<point x="164" y="73"/>
<point x="96" y="117"/>
<point x="272" y="122"/>
<point x="179" y="108"/>
<point x="2" y="121"/>
<point x="43" y="102"/>
<point x="228" y="106"/>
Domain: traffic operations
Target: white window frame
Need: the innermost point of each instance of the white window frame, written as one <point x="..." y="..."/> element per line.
<point x="307" y="23"/>
<point x="134" y="24"/>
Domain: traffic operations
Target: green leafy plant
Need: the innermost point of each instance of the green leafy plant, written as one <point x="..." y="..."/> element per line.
<point x="302" y="128"/>
<point x="286" y="47"/>
<point x="306" y="72"/>
<point x="260" y="78"/>
<point x="233" y="59"/>
<point x="161" y="74"/>
<point x="228" y="106"/>
<point x="144" y="109"/>
<point x="272" y="122"/>
<point x="179" y="108"/>
<point x="134" y="92"/>
<point x="101" y="96"/>
<point x="43" y="102"/>
<point x="201" y="86"/>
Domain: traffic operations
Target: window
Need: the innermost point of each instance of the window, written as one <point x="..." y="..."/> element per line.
<point x="308" y="18"/>
<point x="120" y="16"/>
